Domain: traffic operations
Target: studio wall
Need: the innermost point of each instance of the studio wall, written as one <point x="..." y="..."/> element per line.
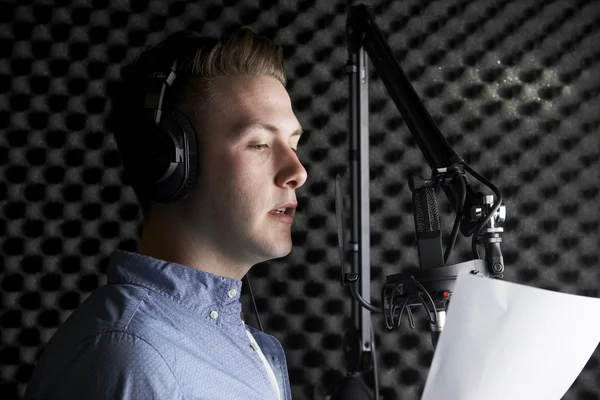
<point x="514" y="86"/>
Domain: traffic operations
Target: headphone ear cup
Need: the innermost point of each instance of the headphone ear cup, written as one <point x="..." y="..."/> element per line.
<point x="185" y="131"/>
<point x="162" y="161"/>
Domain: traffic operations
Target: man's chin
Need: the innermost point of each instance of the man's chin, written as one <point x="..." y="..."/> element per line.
<point x="279" y="251"/>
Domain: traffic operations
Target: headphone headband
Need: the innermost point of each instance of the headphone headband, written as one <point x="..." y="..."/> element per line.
<point x="177" y="48"/>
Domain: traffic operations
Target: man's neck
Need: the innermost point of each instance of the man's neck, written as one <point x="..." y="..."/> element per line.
<point x="164" y="239"/>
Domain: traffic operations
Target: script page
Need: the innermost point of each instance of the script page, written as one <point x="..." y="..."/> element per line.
<point x="504" y="340"/>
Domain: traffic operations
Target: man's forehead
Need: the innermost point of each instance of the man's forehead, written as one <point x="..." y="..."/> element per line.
<point x="244" y="104"/>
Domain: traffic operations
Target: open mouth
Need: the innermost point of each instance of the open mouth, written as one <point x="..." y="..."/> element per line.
<point x="285" y="210"/>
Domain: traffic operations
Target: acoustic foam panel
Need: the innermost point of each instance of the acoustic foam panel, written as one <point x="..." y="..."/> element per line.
<point x="513" y="85"/>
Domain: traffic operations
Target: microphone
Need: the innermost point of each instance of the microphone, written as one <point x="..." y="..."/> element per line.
<point x="427" y="223"/>
<point x="432" y="286"/>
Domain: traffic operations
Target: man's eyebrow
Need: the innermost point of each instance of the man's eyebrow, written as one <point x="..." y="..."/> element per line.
<point x="266" y="126"/>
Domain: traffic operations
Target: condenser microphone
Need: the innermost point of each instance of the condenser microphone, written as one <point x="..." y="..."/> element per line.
<point x="427" y="223"/>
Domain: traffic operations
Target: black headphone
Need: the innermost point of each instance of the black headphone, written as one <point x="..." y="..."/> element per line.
<point x="163" y="160"/>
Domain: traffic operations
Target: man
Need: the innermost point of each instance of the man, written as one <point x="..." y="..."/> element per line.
<point x="168" y="323"/>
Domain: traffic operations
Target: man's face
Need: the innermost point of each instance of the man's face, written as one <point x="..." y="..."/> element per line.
<point x="248" y="137"/>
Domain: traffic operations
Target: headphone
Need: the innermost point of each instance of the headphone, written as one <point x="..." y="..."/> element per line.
<point x="163" y="157"/>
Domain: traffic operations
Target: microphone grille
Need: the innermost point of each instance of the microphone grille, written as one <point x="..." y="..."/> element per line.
<point x="434" y="215"/>
<point x="427" y="217"/>
<point x="418" y="210"/>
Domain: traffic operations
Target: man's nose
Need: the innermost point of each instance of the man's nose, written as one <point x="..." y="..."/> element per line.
<point x="292" y="173"/>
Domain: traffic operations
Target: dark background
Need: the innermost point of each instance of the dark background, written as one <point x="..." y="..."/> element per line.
<point x="513" y="85"/>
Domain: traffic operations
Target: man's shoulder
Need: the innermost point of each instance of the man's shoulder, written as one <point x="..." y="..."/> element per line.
<point x="99" y="337"/>
<point x="109" y="308"/>
<point x="113" y="364"/>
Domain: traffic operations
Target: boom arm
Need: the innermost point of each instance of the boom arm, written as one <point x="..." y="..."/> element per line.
<point x="363" y="32"/>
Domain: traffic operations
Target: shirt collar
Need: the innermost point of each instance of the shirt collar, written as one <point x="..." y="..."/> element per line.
<point x="192" y="287"/>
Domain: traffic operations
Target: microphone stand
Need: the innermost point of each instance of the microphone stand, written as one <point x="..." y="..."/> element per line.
<point x="477" y="215"/>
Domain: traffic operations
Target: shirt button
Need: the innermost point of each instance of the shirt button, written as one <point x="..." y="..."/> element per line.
<point x="232" y="292"/>
<point x="214" y="314"/>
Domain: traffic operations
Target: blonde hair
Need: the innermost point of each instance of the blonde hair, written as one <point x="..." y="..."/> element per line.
<point x="242" y="53"/>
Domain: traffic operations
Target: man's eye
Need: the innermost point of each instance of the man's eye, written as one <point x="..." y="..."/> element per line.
<point x="259" y="146"/>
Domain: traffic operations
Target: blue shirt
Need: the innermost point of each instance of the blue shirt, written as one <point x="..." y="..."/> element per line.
<point x="159" y="330"/>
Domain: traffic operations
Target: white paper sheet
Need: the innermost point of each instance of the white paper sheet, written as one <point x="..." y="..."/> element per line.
<point x="506" y="341"/>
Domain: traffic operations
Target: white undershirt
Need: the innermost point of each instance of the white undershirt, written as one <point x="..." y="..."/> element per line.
<point x="272" y="378"/>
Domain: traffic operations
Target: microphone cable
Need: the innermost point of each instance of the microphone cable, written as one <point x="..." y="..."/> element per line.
<point x="490" y="215"/>
<point x="458" y="217"/>
<point x="247" y="278"/>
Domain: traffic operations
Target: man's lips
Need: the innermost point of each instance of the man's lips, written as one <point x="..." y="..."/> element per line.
<point x="285" y="211"/>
